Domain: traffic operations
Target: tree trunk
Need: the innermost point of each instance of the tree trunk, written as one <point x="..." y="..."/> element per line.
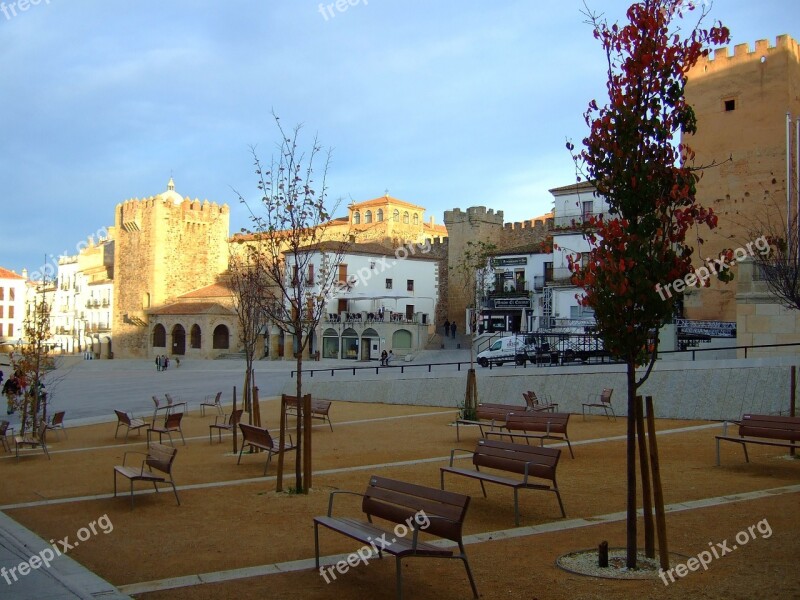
<point x="298" y="459"/>
<point x="630" y="560"/>
<point x="649" y="543"/>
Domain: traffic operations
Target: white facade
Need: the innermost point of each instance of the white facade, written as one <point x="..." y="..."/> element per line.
<point x="513" y="290"/>
<point x="386" y="301"/>
<point x="12" y="306"/>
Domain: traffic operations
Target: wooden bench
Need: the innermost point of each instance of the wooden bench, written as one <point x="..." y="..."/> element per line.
<point x="259" y="438"/>
<point x="488" y="415"/>
<point x="158" y="457"/>
<point x="528" y="461"/>
<point x="539" y="426"/>
<point x="319" y="409"/>
<point x="415" y="508"/>
<point x="766" y="430"/>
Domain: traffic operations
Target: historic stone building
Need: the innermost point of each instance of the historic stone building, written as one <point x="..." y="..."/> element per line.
<point x="480" y="224"/>
<point x="741" y="100"/>
<point x="166" y="246"/>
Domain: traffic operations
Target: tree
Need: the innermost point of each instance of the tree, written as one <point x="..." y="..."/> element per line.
<point x="472" y="270"/>
<point x="649" y="182"/>
<point x="287" y="234"/>
<point x="25" y="388"/>
<point x="250" y="289"/>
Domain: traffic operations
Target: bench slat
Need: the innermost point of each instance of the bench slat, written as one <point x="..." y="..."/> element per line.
<point x="366" y="533"/>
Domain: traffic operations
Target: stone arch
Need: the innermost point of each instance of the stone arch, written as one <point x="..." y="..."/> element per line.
<point x="368" y="217"/>
<point x="221" y="338"/>
<point x="195" y="337"/>
<point x="379" y="215"/>
<point x="405" y="217"/>
<point x="159" y="336"/>
<point x="401" y="339"/>
<point x="178" y="340"/>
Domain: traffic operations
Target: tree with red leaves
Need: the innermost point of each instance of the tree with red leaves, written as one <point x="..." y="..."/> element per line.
<point x="649" y="182"/>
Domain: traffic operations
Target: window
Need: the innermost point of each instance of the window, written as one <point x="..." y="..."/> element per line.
<point x="587" y="209"/>
<point x="730" y="105"/>
<point x="310" y="278"/>
<point x="368" y="217"/>
<point x="2" y="293"/>
<point x="395" y="218"/>
<point x="10" y="330"/>
<point x="356" y="218"/>
<point x="416" y="219"/>
<point x="380" y="215"/>
<point x="405" y="217"/>
<point x="11" y="293"/>
<point x="342" y="272"/>
<point x="1" y="311"/>
<point x="410" y="285"/>
<point x="11" y="312"/>
<point x="388" y="284"/>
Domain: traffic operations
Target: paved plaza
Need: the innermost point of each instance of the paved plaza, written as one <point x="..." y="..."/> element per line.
<point x="234" y="536"/>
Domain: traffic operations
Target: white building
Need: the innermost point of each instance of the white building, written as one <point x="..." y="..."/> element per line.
<point x="573" y="205"/>
<point x="386" y="300"/>
<point x="12" y="307"/>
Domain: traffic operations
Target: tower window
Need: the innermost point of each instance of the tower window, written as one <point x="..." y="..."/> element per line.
<point x="730" y="105"/>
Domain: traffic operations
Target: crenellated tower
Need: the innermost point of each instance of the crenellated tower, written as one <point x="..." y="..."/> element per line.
<point x="741" y="100"/>
<point x="166" y="246"/>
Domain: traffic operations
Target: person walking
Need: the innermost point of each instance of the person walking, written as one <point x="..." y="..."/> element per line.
<point x="446" y="328"/>
<point x="453" y="329"/>
<point x="158" y="362"/>
<point x="384" y="358"/>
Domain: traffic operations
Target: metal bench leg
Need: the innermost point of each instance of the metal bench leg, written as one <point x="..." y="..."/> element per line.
<point x="718" y="452"/>
<point x="399" y="578"/>
<point x="463" y="557"/>
<point x="175" y="490"/>
<point x="560" y="504"/>
<point x="329" y="422"/>
<point x="571" y="453"/>
<point x="316" y="544"/>
<point x="746" y="458"/>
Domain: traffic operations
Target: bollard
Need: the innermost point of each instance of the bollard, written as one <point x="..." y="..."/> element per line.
<point x="602" y="555"/>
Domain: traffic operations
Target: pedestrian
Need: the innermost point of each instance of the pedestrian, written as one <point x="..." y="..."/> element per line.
<point x="166" y="361"/>
<point x="389" y="357"/>
<point x="384" y="358"/>
<point x="158" y="362"/>
<point x="177" y="363"/>
<point x="453" y="329"/>
<point x="446" y="328"/>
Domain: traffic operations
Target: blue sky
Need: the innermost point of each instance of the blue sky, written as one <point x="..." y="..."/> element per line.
<point x="444" y="103"/>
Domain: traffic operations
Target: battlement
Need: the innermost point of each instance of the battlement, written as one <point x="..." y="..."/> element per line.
<point x="473" y="213"/>
<point x="722" y="57"/>
<point x="535" y="224"/>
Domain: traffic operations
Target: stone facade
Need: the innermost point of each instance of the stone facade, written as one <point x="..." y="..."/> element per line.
<point x="761" y="318"/>
<point x="740" y="99"/>
<point x="480" y="224"/>
<point x="166" y="246"/>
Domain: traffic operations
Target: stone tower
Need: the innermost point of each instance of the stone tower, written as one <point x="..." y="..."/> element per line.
<point x="477" y="224"/>
<point x="741" y="100"/>
<point x="166" y="246"/>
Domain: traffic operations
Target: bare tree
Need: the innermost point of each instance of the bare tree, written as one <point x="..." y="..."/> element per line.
<point x="250" y="289"/>
<point x="472" y="271"/>
<point x="778" y="259"/>
<point x="289" y="231"/>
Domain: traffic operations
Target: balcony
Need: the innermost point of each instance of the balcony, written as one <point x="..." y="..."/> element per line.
<point x="574" y="222"/>
<point x="558" y="276"/>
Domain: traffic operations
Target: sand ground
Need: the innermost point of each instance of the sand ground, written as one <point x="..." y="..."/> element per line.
<point x="231" y="517"/>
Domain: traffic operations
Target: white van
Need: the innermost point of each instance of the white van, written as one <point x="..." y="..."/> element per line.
<point x="507" y="349"/>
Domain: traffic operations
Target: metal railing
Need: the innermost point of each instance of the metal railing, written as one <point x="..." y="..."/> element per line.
<point x="604" y="360"/>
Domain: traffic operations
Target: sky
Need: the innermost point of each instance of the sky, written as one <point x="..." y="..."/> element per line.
<point x="443" y="104"/>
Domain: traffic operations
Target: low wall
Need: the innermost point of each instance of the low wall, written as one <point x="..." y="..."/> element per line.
<point x="703" y="390"/>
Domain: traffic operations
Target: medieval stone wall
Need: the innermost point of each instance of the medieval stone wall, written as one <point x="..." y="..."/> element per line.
<point x="740" y="100"/>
